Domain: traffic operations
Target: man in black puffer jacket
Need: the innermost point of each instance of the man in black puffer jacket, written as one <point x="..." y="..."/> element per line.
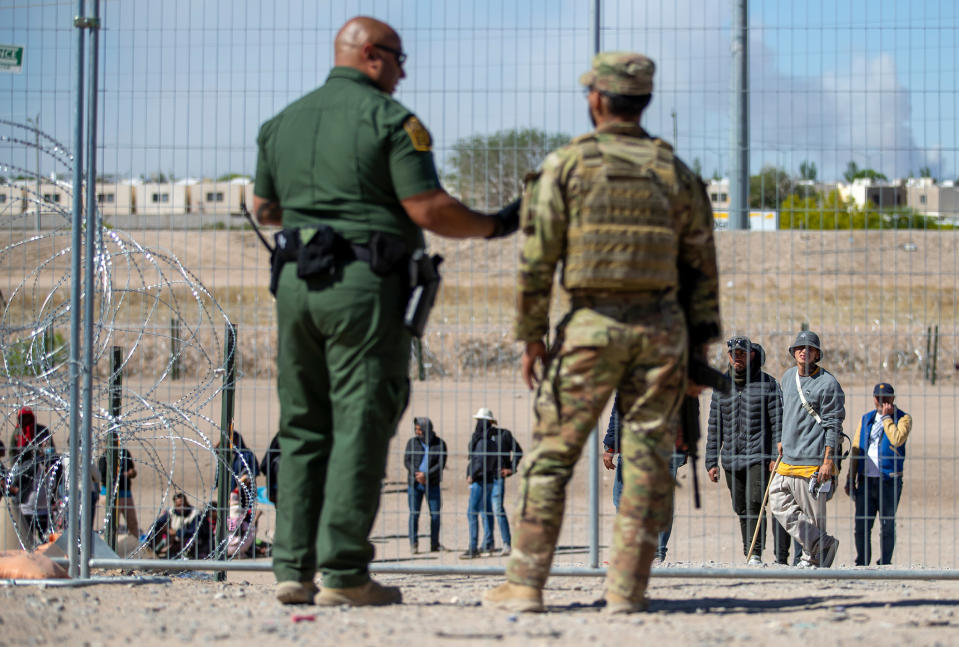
<point x="745" y="426"/>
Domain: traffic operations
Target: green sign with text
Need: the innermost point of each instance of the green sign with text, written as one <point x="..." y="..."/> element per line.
<point x="11" y="58"/>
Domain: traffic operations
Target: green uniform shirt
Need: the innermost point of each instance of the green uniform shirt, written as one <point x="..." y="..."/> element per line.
<point x="345" y="155"/>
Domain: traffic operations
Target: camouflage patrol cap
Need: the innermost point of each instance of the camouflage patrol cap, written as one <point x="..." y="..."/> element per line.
<point x="625" y="73"/>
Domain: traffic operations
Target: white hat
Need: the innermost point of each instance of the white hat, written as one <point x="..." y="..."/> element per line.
<point x="484" y="414"/>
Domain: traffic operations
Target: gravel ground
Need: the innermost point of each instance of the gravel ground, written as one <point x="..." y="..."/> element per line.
<point x="445" y="610"/>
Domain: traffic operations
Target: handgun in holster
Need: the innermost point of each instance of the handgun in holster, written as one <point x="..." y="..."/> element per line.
<point x="285" y="249"/>
<point x="424" y="284"/>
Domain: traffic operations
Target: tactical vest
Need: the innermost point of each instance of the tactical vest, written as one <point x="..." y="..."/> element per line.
<point x="622" y="232"/>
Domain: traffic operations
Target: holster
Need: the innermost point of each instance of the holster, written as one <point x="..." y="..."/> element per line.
<point x="285" y="248"/>
<point x="317" y="256"/>
<point x="424" y="284"/>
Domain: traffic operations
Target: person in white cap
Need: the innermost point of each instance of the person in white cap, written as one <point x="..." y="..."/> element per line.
<point x="493" y="456"/>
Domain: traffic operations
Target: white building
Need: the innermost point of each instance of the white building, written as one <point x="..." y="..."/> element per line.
<point x="161" y="198"/>
<point x="208" y="198"/>
<point x="884" y="195"/>
<point x="11" y="200"/>
<point x="114" y="199"/>
<point x="718" y="191"/>
<point x="931" y="199"/>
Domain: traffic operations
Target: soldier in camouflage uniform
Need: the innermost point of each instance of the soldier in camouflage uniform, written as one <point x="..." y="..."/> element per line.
<point x="631" y="226"/>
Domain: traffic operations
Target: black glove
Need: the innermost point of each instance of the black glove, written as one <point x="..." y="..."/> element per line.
<point x="506" y="219"/>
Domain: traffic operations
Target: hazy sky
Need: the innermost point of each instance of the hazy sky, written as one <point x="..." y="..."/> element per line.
<point x="185" y="84"/>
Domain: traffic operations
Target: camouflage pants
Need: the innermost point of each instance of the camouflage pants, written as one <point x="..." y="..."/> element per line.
<point x="640" y="350"/>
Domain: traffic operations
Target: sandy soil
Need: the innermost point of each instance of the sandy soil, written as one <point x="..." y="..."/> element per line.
<point x="771" y="283"/>
<point x="444" y="610"/>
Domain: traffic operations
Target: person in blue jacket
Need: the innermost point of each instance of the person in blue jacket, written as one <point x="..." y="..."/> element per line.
<point x="611" y="449"/>
<point x="875" y="474"/>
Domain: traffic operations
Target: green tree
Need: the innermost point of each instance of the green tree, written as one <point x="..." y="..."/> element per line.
<point x="853" y="172"/>
<point x="925" y="171"/>
<point x="807" y="170"/>
<point x="697" y="167"/>
<point x="486" y="171"/>
<point x="769" y="188"/>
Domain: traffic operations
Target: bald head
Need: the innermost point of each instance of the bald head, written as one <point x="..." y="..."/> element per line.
<point x="372" y="47"/>
<point x="356" y="33"/>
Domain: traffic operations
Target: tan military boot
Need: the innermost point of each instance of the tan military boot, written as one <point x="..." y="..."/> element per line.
<point x="371" y="594"/>
<point x="616" y="604"/>
<point x="296" y="592"/>
<point x="514" y="597"/>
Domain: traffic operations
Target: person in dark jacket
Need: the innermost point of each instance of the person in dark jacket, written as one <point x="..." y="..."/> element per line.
<point x="493" y="456"/>
<point x="425" y="460"/>
<point x="745" y="426"/>
<point x="611" y="448"/>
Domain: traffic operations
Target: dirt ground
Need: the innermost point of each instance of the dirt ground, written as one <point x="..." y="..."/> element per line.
<point x="192" y="608"/>
<point x="445" y="610"/>
<point x="871" y="325"/>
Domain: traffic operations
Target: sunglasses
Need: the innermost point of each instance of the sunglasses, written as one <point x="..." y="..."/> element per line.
<point x="397" y="54"/>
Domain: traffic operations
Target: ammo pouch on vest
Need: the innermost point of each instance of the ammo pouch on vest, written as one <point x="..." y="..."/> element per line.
<point x="622" y="233"/>
<point x="424" y="284"/>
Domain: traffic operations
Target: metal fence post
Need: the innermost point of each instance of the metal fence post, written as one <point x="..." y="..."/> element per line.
<point x="935" y="355"/>
<point x="93" y="225"/>
<point x="175" y="348"/>
<point x="593" y="440"/>
<point x="225" y="452"/>
<point x="739" y="115"/>
<point x="76" y="243"/>
<point x="113" y="446"/>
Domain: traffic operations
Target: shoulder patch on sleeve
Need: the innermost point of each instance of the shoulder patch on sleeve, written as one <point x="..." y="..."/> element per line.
<point x="418" y="134"/>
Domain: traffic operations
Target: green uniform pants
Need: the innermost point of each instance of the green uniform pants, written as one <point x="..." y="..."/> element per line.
<point x="639" y="349"/>
<point x="343" y="384"/>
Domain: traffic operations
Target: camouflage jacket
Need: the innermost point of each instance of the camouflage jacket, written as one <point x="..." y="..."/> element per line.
<point x="545" y="221"/>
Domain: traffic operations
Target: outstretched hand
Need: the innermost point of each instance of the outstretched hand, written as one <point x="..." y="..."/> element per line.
<point x="535" y="351"/>
<point x="506" y="220"/>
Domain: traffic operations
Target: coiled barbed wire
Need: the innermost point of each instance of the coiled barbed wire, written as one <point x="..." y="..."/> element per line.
<point x="139" y="294"/>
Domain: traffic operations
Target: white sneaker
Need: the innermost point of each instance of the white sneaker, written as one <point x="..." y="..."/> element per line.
<point x="755" y="560"/>
<point x="805" y="563"/>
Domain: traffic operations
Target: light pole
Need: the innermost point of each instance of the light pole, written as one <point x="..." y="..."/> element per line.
<point x="36" y="134"/>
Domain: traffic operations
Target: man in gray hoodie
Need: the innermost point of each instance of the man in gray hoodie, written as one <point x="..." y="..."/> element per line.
<point x="814" y="407"/>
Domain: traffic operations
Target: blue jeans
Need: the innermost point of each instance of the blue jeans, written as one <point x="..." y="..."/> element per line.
<point x="481" y="502"/>
<point x="874" y="497"/>
<point x="416" y="493"/>
<point x="674" y="465"/>
<point x="496" y="496"/>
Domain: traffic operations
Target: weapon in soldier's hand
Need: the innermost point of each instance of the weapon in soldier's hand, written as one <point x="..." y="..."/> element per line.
<point x="702" y="374"/>
<point x="259" y="233"/>
<point x="689" y="418"/>
<point x="705" y="375"/>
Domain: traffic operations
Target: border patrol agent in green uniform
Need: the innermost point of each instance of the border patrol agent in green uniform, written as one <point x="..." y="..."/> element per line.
<point x="631" y="226"/>
<point x="349" y="173"/>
